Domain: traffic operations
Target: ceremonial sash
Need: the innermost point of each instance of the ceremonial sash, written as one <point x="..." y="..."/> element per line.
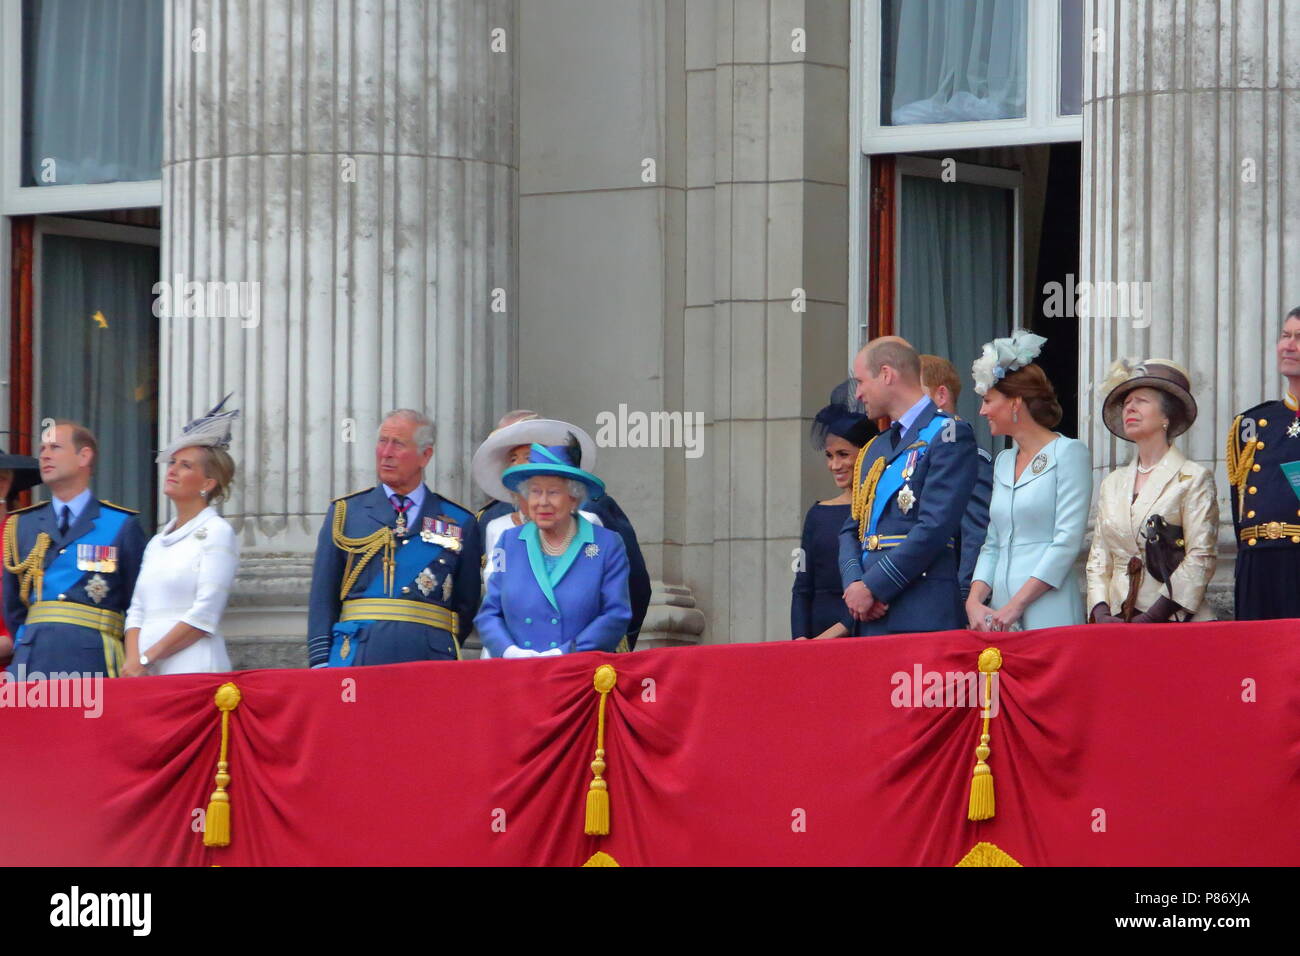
<point x="62" y="573"/>
<point x="891" y="479"/>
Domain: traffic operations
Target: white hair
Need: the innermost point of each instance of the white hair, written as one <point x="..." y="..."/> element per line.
<point x="424" y="430"/>
<point x="576" y="488"/>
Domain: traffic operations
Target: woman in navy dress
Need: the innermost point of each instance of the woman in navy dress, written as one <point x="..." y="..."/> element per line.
<point x="817" y="603"/>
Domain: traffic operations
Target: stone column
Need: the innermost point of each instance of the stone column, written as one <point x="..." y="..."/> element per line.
<point x="1191" y="137"/>
<point x="769" y="192"/>
<point x="356" y="161"/>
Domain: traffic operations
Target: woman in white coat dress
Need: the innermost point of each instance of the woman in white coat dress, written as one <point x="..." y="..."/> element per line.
<point x="174" y="623"/>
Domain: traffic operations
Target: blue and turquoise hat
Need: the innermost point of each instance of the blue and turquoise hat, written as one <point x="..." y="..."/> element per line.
<point x="557" y="460"/>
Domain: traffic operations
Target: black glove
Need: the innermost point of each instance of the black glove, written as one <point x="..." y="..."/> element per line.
<point x="1101" y="614"/>
<point x="1157" y="613"/>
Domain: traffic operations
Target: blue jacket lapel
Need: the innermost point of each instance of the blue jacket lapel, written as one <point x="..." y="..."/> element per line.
<point x="378" y="508"/>
<point x="581" y="539"/>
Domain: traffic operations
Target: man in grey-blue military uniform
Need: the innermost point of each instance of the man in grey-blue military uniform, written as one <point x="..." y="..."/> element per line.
<point x="396" y="575"/>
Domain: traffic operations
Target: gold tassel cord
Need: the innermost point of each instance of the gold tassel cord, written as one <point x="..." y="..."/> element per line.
<point x="1240" y="460"/>
<point x="216" y="826"/>
<point x="864" y="489"/>
<point x="982" y="806"/>
<point x="598" y="793"/>
<point x="30" y="571"/>
<point x="365" y="548"/>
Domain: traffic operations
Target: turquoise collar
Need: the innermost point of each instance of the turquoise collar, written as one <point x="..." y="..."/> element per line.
<point x="531" y="537"/>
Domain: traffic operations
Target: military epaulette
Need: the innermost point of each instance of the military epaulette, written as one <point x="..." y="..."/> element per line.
<point x="130" y="511"/>
<point x="353" y="494"/>
<point x="39" y="504"/>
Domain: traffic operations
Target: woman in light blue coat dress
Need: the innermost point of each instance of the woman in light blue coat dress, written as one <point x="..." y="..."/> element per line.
<point x="1042" y="489"/>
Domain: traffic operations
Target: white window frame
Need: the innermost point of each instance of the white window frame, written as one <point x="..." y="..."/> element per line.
<point x="1042" y="122"/>
<point x="1008" y="179"/>
<point x="16" y="200"/>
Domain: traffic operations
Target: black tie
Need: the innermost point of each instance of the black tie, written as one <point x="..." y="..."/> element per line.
<point x="895" y="434"/>
<point x="63" y="520"/>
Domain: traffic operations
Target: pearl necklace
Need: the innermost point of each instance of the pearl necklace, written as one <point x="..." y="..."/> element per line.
<point x="1146" y="471"/>
<point x="558" y="550"/>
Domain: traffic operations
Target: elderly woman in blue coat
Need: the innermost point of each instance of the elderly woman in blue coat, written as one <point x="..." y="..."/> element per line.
<point x="562" y="586"/>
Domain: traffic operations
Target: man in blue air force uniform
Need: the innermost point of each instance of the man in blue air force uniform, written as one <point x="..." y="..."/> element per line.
<point x="72" y="564"/>
<point x="898" y="557"/>
<point x="396" y="576"/>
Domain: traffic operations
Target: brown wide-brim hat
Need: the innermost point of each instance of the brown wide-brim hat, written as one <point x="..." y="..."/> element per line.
<point x="1162" y="375"/>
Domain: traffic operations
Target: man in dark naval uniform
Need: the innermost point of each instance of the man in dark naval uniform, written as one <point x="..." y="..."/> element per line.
<point x="396" y="576"/>
<point x="72" y="564"/>
<point x="1264" y="486"/>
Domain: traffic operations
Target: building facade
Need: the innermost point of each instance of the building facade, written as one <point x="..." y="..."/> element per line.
<point x="670" y="222"/>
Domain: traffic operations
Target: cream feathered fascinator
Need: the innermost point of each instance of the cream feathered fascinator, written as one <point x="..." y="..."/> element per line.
<point x="209" y="431"/>
<point x="1005" y="355"/>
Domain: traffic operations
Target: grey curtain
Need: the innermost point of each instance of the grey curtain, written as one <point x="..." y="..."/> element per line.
<point x="950" y="61"/>
<point x="954" y="283"/>
<point x="92" y="90"/>
<point x="103" y="377"/>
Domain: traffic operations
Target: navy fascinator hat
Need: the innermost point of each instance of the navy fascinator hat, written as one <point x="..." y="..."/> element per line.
<point x="837" y="419"/>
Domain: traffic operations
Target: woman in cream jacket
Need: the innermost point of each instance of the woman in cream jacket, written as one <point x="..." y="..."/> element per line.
<point x="1150" y="406"/>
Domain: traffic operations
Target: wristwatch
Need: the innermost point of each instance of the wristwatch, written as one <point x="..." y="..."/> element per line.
<point x="144" y="660"/>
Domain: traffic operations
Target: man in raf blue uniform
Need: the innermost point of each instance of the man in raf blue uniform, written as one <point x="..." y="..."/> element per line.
<point x="943" y="387"/>
<point x="396" y="576"/>
<point x="898" y="557"/>
<point x="1264" y="488"/>
<point x="72" y="564"/>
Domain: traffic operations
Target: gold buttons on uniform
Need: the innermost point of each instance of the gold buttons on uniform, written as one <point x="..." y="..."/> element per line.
<point x="1250" y="490"/>
<point x="1251" y="542"/>
<point x="1255" y="468"/>
<point x="63" y="597"/>
<point x="1263" y="423"/>
<point x="1295" y="539"/>
<point x="406" y="590"/>
<point x="1259" y="445"/>
<point x="1250" y="514"/>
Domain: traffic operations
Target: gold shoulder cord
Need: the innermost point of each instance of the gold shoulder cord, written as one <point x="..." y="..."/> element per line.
<point x="365" y="548"/>
<point x="1240" y="460"/>
<point x="32" y="568"/>
<point x="864" y="491"/>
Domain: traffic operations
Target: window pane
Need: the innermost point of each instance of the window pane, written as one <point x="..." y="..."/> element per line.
<point x="1071" y="102"/>
<point x="954" y="274"/>
<point x="92" y="91"/>
<point x="952" y="61"/>
<point x="98" y="354"/>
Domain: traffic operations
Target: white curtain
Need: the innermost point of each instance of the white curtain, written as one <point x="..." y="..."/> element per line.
<point x="92" y="81"/>
<point x="954" y="282"/>
<point x="954" y="60"/>
<point x="103" y="372"/>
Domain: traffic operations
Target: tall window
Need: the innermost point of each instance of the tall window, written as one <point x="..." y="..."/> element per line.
<point x="97" y="343"/>
<point x="92" y="91"/>
<point x="966" y="73"/>
<point x="81" y="121"/>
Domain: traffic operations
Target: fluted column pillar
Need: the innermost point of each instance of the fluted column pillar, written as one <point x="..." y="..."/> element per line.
<point x="355" y="161"/>
<point x="1191" y="155"/>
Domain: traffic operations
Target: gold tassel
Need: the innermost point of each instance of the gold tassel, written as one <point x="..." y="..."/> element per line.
<point x="216" y="825"/>
<point x="598" y="792"/>
<point x="981" y="786"/>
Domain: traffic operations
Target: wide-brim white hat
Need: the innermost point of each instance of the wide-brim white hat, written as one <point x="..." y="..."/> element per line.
<point x="492" y="457"/>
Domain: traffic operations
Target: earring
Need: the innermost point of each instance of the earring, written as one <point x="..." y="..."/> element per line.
<point x="1165" y="426"/>
<point x="202" y="493"/>
<point x="1015" y="416"/>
